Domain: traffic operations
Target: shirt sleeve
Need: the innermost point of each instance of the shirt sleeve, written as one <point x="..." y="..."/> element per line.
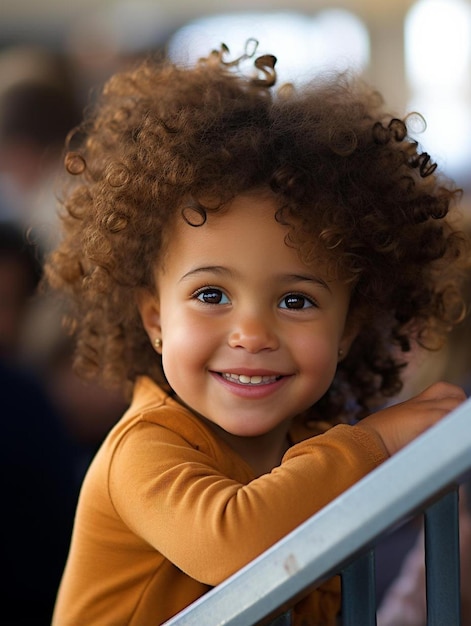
<point x="178" y="499"/>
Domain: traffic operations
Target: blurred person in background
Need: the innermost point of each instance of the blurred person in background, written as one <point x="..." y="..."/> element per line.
<point x="88" y="410"/>
<point x="39" y="486"/>
<point x="38" y="108"/>
<point x="51" y="424"/>
<point x="20" y="272"/>
<point x="38" y="464"/>
<point x="34" y="120"/>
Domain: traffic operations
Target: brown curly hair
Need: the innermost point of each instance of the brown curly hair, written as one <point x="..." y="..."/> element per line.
<point x="161" y="138"/>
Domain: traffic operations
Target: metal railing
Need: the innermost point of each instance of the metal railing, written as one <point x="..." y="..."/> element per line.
<point x="442" y="569"/>
<point x="340" y="539"/>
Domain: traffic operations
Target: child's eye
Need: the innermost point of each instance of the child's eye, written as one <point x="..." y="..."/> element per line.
<point x="210" y="295"/>
<point x="296" y="301"/>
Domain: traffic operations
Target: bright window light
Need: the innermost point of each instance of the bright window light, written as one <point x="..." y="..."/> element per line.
<point x="438" y="60"/>
<point x="447" y="134"/>
<point x="303" y="45"/>
<point x="437" y="43"/>
<point x="344" y="40"/>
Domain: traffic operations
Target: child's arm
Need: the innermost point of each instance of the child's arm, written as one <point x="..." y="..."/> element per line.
<point x="398" y="425"/>
<point x="210" y="518"/>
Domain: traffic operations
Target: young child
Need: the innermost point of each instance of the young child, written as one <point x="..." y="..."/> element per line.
<point x="253" y="264"/>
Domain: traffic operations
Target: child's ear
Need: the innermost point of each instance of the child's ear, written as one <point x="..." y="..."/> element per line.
<point x="149" y="309"/>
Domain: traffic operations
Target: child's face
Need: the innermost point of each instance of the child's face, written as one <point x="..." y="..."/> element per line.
<point x="250" y="334"/>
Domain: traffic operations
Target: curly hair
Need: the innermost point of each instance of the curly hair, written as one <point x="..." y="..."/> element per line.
<point x="162" y="138"/>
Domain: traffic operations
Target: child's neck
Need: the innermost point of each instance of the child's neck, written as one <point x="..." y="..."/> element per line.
<point x="263" y="452"/>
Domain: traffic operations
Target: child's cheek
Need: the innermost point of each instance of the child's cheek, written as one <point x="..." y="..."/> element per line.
<point x="187" y="350"/>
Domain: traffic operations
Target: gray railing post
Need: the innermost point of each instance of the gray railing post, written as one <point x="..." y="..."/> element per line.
<point x="442" y="561"/>
<point x="359" y="592"/>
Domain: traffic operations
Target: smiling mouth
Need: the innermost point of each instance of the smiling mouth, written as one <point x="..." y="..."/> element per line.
<point x="242" y="379"/>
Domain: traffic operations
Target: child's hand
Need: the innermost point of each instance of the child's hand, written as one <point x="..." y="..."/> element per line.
<point x="400" y="424"/>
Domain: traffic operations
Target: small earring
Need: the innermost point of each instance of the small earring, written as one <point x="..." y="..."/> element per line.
<point x="340" y="353"/>
<point x="157" y="343"/>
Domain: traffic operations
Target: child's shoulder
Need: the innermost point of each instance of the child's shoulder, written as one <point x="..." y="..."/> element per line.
<point x="155" y="417"/>
<point x="152" y="405"/>
<point x="160" y="433"/>
<point x="148" y="396"/>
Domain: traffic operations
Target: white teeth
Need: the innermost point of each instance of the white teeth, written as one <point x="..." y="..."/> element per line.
<point x="249" y="380"/>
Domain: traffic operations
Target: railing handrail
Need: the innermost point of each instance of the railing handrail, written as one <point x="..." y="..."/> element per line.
<point x="328" y="541"/>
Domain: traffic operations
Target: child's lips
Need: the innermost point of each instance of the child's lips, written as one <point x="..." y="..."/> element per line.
<point x="246" y="379"/>
<point x="251" y="383"/>
<point x="251" y="386"/>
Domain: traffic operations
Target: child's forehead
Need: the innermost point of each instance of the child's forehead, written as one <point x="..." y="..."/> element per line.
<point x="250" y="219"/>
<point x="254" y="210"/>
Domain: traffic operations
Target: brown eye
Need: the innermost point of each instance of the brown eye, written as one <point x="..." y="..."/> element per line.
<point x="295" y="301"/>
<point x="212" y="296"/>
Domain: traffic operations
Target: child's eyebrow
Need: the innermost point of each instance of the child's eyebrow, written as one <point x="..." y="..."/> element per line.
<point x="308" y="278"/>
<point x="282" y="278"/>
<point x="213" y="269"/>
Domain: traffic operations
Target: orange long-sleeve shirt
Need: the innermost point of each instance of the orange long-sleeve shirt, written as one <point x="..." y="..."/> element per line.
<point x="168" y="510"/>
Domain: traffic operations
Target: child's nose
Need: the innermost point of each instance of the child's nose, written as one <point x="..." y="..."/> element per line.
<point x="253" y="333"/>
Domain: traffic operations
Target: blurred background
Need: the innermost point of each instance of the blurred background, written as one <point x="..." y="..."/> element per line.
<point x="417" y="52"/>
<point x="58" y="53"/>
<point x="54" y="56"/>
